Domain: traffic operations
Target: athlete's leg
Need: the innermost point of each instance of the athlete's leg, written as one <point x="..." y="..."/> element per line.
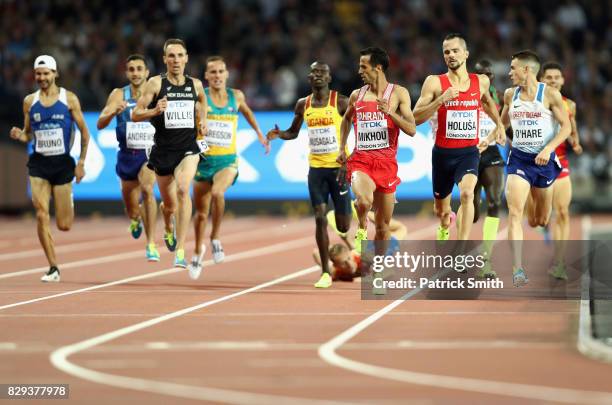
<point x="442" y="209"/>
<point x="321" y="235"/>
<point x="202" y="198"/>
<point x="477" y="193"/>
<point x="222" y="180"/>
<point x="183" y="175"/>
<point x="64" y="206"/>
<point x="130" y="193"/>
<point x="517" y="191"/>
<point x="41" y="194"/>
<point x="562" y="196"/>
<point x="466" y="209"/>
<point x="542" y="202"/>
<point x="384" y="204"/>
<point x="146" y="177"/>
<point x="492" y="179"/>
<point x="169" y="204"/>
<point x="363" y="188"/>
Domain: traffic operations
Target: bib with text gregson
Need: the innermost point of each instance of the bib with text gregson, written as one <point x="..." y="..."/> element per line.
<point x="50" y="142"/>
<point x="372" y="135"/>
<point x="179" y="114"/>
<point x="139" y="135"/>
<point x="323" y="140"/>
<point x="220" y="133"/>
<point x="461" y="124"/>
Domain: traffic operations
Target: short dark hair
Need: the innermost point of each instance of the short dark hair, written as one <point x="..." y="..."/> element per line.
<point x="483" y="65"/>
<point x="136" y="56"/>
<point x="214" y="58"/>
<point x="456" y="35"/>
<point x="174" y="41"/>
<point x="552" y="65"/>
<point x="378" y="56"/>
<point x="530" y="58"/>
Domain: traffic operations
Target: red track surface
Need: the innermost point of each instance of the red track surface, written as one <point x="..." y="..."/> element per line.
<point x="266" y="341"/>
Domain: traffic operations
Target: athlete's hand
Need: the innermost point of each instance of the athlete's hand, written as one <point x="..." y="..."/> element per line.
<point x="341" y="159"/>
<point x="543" y="157"/>
<point x="265" y="143"/>
<point x="273" y="133"/>
<point x="161" y="106"/>
<point x="341" y="176"/>
<point x="577" y="148"/>
<point x="449" y="94"/>
<point x="120" y="107"/>
<point x="500" y="135"/>
<point x="16" y="134"/>
<point x="202" y="129"/>
<point x="383" y="105"/>
<point x="79" y="171"/>
<point x="483" y="145"/>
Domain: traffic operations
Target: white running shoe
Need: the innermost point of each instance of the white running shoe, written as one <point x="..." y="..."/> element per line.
<point x="217" y="251"/>
<point x="196" y="265"/>
<point x="52" y="276"/>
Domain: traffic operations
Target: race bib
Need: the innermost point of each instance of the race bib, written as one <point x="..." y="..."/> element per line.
<point x="486" y="125"/>
<point x="139" y="135"/>
<point x="323" y="140"/>
<point x="372" y="135"/>
<point x="180" y="114"/>
<point x="220" y="133"/>
<point x="50" y="142"/>
<point x="202" y="145"/>
<point x="461" y="124"/>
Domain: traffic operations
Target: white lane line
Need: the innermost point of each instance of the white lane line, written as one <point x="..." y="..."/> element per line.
<point x="327" y="352"/>
<point x="587" y="344"/>
<point x="59" y="358"/>
<point x="234" y="237"/>
<point x="261" y="251"/>
<point x="8" y="346"/>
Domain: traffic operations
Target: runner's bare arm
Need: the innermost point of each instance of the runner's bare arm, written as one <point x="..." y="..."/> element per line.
<point x="25" y="134"/>
<point x="244" y="108"/>
<point x="141" y="112"/>
<point x="115" y="105"/>
<point x="296" y="124"/>
<point x="342" y="105"/>
<point x="505" y="117"/>
<point x="404" y="120"/>
<point x="488" y="105"/>
<point x="560" y="113"/>
<point x="574" y="137"/>
<point x="201" y="110"/>
<point x="77" y="115"/>
<point x="345" y="126"/>
<point x="431" y="99"/>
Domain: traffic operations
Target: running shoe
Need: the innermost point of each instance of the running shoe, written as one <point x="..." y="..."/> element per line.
<point x="324" y="282"/>
<point x="519" y="278"/>
<point x="442" y="234"/>
<point x="558" y="271"/>
<point x="52" y="276"/>
<point x="152" y="253"/>
<point x="217" y="251"/>
<point x="197" y="263"/>
<point x="136" y="228"/>
<point x="360" y="236"/>
<point x="170" y="238"/>
<point x="179" y="259"/>
<point x="487" y="272"/>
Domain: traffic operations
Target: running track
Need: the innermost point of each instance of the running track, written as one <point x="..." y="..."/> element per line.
<point x="253" y="330"/>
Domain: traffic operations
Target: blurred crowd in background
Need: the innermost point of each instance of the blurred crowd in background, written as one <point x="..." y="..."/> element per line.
<point x="269" y="44"/>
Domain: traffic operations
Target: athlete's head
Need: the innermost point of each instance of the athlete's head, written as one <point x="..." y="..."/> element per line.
<point x="136" y="69"/>
<point x="45" y="71"/>
<point x="175" y="56"/>
<point x="216" y="72"/>
<point x="340" y="256"/>
<point x="455" y="51"/>
<point x="319" y="76"/>
<point x="552" y="75"/>
<point x="524" y="63"/>
<point x="483" y="67"/>
<point x="372" y="62"/>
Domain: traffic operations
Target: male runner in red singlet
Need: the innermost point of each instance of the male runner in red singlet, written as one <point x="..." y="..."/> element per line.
<point x="452" y="101"/>
<point x="378" y="111"/>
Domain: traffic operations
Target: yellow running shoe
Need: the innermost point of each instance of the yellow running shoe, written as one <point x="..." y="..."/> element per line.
<point x="558" y="271"/>
<point x="442" y="233"/>
<point x="360" y="235"/>
<point x="324" y="282"/>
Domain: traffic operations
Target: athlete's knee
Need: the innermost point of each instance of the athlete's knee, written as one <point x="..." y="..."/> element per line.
<point x="493" y="205"/>
<point x="467" y="196"/>
<point x="200" y="215"/>
<point x="320" y="220"/>
<point x="64" y="224"/>
<point x="382" y="228"/>
<point x="217" y="193"/>
<point x="363" y="203"/>
<point x="147" y="191"/>
<point x="441" y="211"/>
<point x="343" y="225"/>
<point x="42" y="215"/>
<point x="562" y="214"/>
<point x="182" y="191"/>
